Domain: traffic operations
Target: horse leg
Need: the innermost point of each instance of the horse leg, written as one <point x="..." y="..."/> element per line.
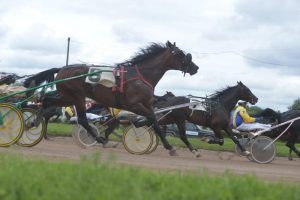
<point x="48" y="103"/>
<point x="148" y="112"/>
<point x="46" y="128"/>
<point x="152" y="119"/>
<point x="291" y="144"/>
<point x="83" y="121"/>
<point x="218" y="139"/>
<point x="182" y="134"/>
<point x="111" y="126"/>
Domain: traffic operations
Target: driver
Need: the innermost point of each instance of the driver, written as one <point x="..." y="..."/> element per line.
<point x="241" y="120"/>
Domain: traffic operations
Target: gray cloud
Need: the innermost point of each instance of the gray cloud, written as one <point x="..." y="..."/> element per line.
<point x="40" y="39"/>
<point x="268" y="12"/>
<point x="128" y="34"/>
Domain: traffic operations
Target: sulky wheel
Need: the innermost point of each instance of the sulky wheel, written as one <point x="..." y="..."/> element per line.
<point x="31" y="135"/>
<point x="137" y="140"/>
<point x="155" y="141"/>
<point x="83" y="137"/>
<point x="260" y="153"/>
<point x="11" y="124"/>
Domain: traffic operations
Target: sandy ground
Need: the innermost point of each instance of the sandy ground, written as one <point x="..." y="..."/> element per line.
<point x="65" y="148"/>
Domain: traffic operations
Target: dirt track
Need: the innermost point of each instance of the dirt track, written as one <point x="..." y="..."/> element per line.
<point x="65" y="148"/>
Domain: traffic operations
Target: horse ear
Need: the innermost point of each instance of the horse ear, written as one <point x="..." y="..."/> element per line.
<point x="174" y="44"/>
<point x="169" y="44"/>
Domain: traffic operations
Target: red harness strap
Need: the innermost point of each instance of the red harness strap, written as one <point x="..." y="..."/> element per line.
<point x="139" y="76"/>
<point x="122" y="70"/>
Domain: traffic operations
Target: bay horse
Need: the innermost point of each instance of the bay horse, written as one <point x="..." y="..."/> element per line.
<point x="293" y="131"/>
<point x="143" y="72"/>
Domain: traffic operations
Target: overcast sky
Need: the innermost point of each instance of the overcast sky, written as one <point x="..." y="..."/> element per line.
<point x="253" y="41"/>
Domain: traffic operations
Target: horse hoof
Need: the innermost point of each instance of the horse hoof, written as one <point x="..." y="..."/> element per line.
<point x="110" y="145"/>
<point x="173" y="152"/>
<point x="197" y="153"/>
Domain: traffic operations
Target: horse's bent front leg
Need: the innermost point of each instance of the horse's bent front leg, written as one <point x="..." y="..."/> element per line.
<point x="152" y="119"/>
<point x="218" y="139"/>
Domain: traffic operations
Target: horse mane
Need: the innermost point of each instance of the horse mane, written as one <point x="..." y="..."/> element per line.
<point x="171" y="101"/>
<point x="148" y="52"/>
<point x="220" y="92"/>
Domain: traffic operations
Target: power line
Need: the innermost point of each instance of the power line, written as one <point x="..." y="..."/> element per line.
<point x="248" y="58"/>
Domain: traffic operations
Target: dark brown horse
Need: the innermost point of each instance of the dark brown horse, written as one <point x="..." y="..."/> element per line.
<point x="142" y="75"/>
<point x="294" y="130"/>
<point x="216" y="117"/>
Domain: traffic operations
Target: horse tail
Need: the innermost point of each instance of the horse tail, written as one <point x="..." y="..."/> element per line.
<point x="47" y="75"/>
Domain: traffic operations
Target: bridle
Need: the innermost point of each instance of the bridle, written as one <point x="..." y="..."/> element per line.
<point x="186" y="62"/>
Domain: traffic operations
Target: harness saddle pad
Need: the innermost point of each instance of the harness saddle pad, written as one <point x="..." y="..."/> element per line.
<point x="198" y="106"/>
<point x="105" y="76"/>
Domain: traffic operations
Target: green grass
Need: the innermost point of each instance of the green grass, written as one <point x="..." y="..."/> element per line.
<point x="61" y="129"/>
<point x="24" y="179"/>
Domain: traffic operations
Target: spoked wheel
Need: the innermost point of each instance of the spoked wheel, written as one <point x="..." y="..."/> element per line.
<point x="155" y="142"/>
<point x="260" y="153"/>
<point x="32" y="135"/>
<point x="11" y="124"/>
<point x="83" y="137"/>
<point x="137" y="140"/>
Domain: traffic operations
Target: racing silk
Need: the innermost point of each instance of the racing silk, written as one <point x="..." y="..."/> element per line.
<point x="69" y="111"/>
<point x="114" y="111"/>
<point x="239" y="116"/>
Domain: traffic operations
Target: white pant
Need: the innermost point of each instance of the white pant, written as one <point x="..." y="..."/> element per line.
<point x="253" y="126"/>
<point x="89" y="116"/>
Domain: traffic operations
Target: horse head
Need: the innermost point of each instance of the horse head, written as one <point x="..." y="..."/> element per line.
<point x="168" y="94"/>
<point x="246" y="94"/>
<point x="270" y="114"/>
<point x="181" y="61"/>
<point x="8" y="80"/>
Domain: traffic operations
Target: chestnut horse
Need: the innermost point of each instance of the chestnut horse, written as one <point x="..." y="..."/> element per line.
<point x="141" y="75"/>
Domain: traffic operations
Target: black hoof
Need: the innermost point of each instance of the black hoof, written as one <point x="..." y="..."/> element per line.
<point x="101" y="140"/>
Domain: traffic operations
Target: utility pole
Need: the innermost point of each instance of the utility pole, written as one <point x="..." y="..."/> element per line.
<point x="67" y="61"/>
